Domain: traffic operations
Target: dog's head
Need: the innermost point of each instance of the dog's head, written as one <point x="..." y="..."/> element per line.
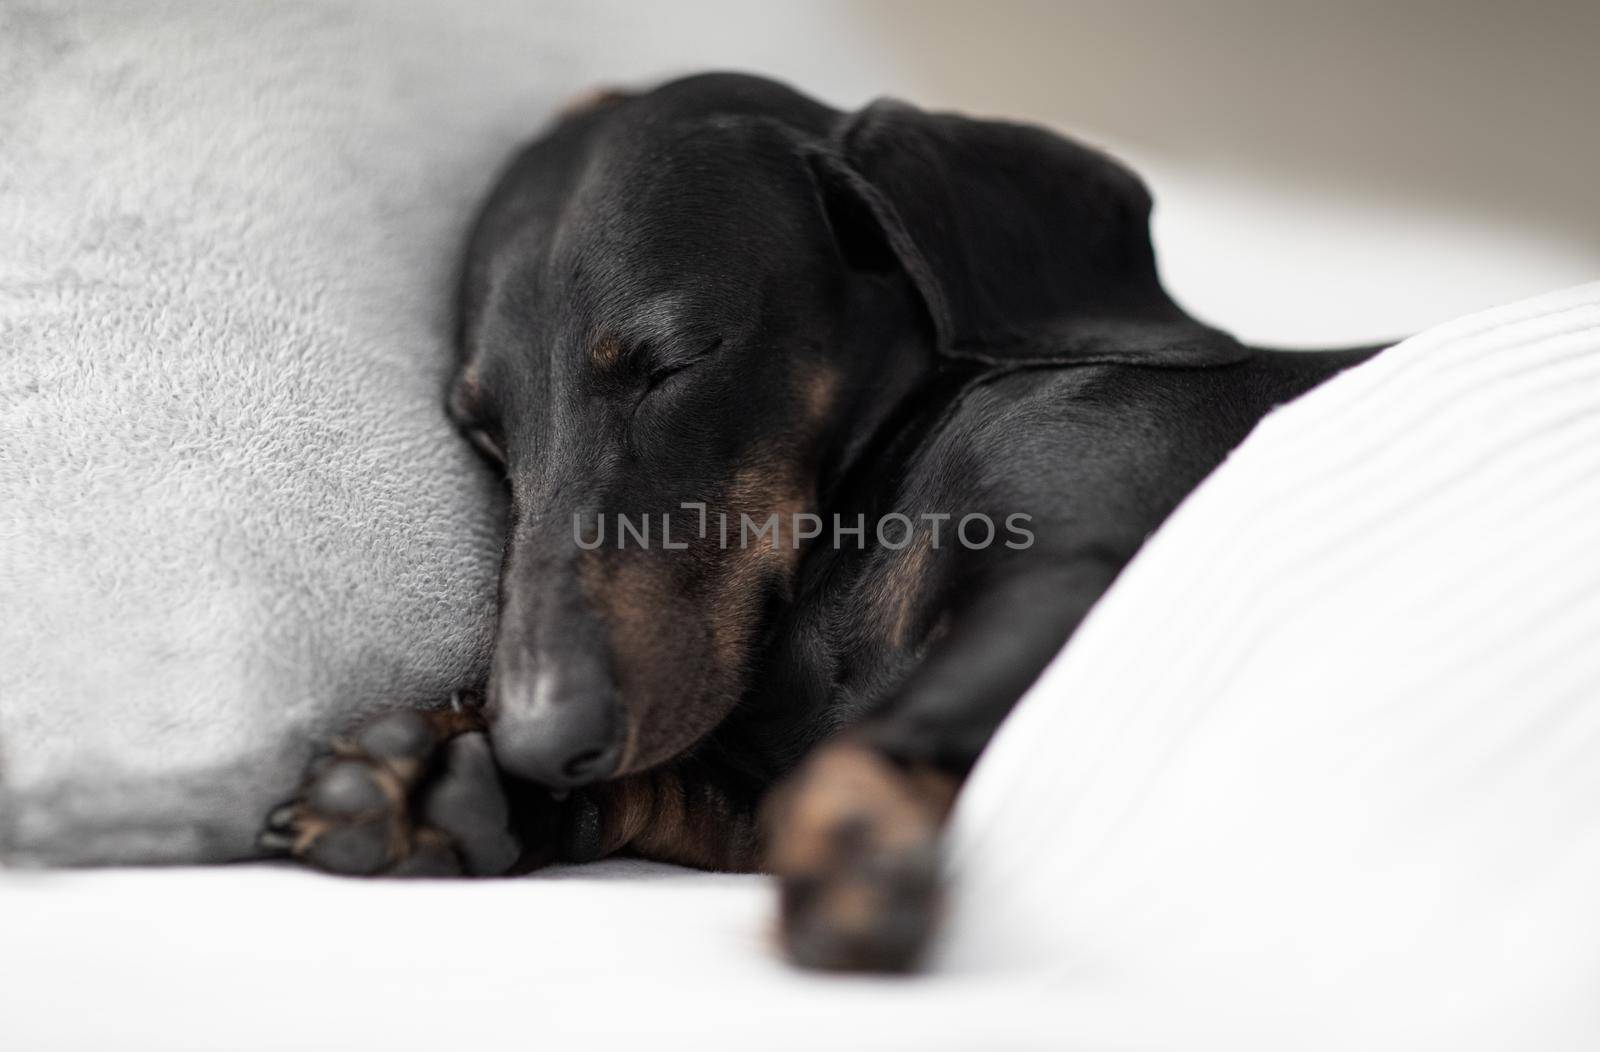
<point x="709" y="295"/>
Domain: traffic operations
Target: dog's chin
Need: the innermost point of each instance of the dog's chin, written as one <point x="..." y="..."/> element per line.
<point x="671" y="728"/>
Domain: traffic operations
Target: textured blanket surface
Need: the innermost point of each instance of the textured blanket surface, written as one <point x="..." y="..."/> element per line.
<point x="232" y="513"/>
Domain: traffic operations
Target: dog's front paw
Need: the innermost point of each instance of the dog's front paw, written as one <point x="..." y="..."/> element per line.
<point x="410" y="794"/>
<point x="854" y="842"/>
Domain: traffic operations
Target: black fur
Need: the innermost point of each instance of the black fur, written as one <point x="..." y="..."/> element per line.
<point x="724" y="292"/>
<point x="988" y="296"/>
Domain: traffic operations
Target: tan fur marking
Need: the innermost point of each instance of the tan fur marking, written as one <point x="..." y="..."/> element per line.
<point x="669" y="647"/>
<point x="845" y="788"/>
<point x="895" y="597"/>
<point x="665" y="835"/>
<point x="592" y="99"/>
<point x="649" y="815"/>
<point x="764" y="487"/>
<point x="821" y="390"/>
<point x="633" y="593"/>
<point x="606" y="352"/>
<point x="392" y="780"/>
<point x="854" y="841"/>
<point x="852" y="905"/>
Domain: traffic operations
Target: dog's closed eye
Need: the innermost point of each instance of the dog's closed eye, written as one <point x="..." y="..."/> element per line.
<point x="665" y="363"/>
<point x="659" y="367"/>
<point x="661" y="375"/>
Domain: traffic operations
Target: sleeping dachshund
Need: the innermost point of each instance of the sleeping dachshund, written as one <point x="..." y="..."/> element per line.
<point x="822" y="431"/>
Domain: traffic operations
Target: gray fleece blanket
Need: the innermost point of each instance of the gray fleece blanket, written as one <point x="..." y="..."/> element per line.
<point x="232" y="515"/>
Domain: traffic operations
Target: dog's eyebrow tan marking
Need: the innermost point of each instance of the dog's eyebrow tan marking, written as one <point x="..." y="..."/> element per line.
<point x="606" y="351"/>
<point x="592" y="99"/>
<point x="820" y="389"/>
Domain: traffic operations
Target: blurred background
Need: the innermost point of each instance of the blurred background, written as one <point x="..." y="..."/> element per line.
<point x="1323" y="172"/>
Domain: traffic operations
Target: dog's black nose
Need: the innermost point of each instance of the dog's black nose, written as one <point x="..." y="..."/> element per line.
<point x="558" y="740"/>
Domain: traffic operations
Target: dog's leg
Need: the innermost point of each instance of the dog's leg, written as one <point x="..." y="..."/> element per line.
<point x="853" y="836"/>
<point x="409" y="794"/>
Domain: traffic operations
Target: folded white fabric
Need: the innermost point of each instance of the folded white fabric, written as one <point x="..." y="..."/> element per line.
<point x="1323" y="769"/>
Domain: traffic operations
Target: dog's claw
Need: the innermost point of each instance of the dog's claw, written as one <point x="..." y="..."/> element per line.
<point x="281" y="820"/>
<point x="275" y="841"/>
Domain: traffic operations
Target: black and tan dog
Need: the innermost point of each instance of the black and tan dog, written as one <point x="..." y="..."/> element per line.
<point x="720" y="302"/>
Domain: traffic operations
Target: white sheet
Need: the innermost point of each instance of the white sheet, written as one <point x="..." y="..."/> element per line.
<point x="1322" y="771"/>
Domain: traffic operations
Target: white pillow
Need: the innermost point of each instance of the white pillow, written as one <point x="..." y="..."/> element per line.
<point x="1322" y="770"/>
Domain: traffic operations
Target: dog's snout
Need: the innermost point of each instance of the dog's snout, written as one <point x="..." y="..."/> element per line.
<point x="556" y="736"/>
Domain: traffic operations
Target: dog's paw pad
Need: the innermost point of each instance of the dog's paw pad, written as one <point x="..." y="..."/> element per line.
<point x="407" y="795"/>
<point x="359" y="850"/>
<point x="466" y="802"/>
<point x="346" y="788"/>
<point x="854" y="842"/>
<point x="403" y="735"/>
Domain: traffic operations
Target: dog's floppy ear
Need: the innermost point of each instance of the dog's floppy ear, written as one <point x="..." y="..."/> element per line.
<point x="1024" y="246"/>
